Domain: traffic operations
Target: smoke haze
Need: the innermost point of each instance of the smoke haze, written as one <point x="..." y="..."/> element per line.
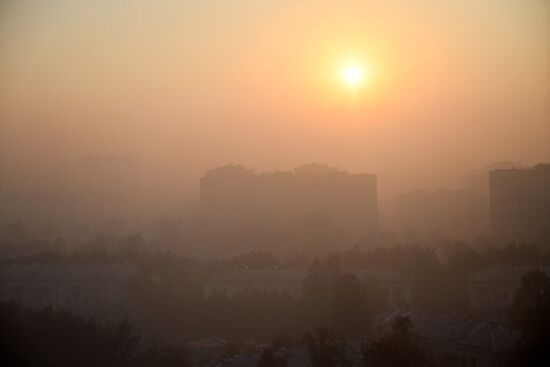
<point x="184" y="87"/>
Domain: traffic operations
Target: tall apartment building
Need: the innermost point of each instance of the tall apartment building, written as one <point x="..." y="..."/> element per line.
<point x="314" y="192"/>
<point x="520" y="204"/>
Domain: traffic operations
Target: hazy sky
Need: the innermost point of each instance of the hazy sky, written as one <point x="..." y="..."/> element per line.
<point x="190" y="85"/>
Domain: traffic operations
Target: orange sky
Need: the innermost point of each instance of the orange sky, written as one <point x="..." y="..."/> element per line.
<point x="192" y="85"/>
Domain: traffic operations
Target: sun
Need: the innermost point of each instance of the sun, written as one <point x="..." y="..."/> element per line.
<point x="352" y="74"/>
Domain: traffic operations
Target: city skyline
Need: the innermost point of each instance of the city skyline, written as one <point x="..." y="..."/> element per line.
<point x="185" y="86"/>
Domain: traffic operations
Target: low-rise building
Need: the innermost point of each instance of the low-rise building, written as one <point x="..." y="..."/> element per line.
<point x="457" y="340"/>
<point x="246" y="281"/>
<point x="291" y="282"/>
<point x="98" y="291"/>
<point x="495" y="288"/>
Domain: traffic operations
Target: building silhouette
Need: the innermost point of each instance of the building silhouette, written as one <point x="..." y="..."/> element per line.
<point x="520" y="204"/>
<point x="443" y="213"/>
<point x="313" y="194"/>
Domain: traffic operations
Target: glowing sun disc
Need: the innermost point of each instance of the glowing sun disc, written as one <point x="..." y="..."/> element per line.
<point x="352" y="75"/>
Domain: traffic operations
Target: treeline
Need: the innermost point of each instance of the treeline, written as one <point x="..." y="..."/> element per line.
<point x="402" y="347"/>
<point x="56" y="338"/>
<point x="331" y="297"/>
<point x="170" y="287"/>
<point x="440" y="275"/>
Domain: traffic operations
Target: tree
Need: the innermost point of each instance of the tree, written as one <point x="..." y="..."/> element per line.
<point x="348" y="314"/>
<point x="324" y="350"/>
<point x="163" y="357"/>
<point x="319" y="289"/>
<point x="255" y="260"/>
<point x="376" y="300"/>
<point x="273" y="357"/>
<point x="529" y="314"/>
<point x="56" y="338"/>
<point x="399" y="348"/>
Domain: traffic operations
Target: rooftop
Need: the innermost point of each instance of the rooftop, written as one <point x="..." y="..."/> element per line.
<point x="310" y="169"/>
<point x="460" y="331"/>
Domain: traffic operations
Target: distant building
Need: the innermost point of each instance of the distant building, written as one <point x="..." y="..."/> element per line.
<point x="450" y="213"/>
<point x="457" y="340"/>
<point x="520" y="204"/>
<point x="493" y="290"/>
<point x="233" y="194"/>
<point x="478" y="180"/>
<point x="291" y="283"/>
<point x="98" y="291"/>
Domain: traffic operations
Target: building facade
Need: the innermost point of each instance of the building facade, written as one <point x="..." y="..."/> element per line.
<point x="97" y="291"/>
<point x="291" y="282"/>
<point x="443" y="213"/>
<point x="494" y="289"/>
<point x="520" y="205"/>
<point x="245" y="282"/>
<point x="233" y="194"/>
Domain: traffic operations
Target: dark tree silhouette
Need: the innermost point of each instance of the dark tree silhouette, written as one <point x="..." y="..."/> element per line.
<point x="273" y="357"/>
<point x="163" y="357"/>
<point x="319" y="290"/>
<point x="399" y="348"/>
<point x="348" y="314"/>
<point x="530" y="314"/>
<point x="54" y="338"/>
<point x="324" y="350"/>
